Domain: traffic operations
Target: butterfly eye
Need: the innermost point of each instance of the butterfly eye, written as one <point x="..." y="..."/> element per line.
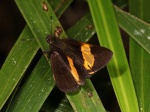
<point x="50" y="39"/>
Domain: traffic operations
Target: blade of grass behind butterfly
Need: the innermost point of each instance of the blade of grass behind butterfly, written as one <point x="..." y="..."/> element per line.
<point x="136" y="28"/>
<point x="59" y="6"/>
<point x="83" y="30"/>
<point x="139" y="58"/>
<point x="33" y="82"/>
<point x="39" y="20"/>
<point x="38" y="17"/>
<point x="16" y="64"/>
<point x="108" y="33"/>
<point x="139" y="31"/>
<point x="36" y="89"/>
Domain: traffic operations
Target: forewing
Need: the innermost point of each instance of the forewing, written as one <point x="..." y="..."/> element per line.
<point x="101" y="57"/>
<point x="66" y="72"/>
<point x="92" y="57"/>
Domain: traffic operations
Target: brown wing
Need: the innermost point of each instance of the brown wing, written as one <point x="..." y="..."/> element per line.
<point x="92" y="57"/>
<point x="67" y="74"/>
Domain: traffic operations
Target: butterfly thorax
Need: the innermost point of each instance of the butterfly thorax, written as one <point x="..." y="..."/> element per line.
<point x="56" y="43"/>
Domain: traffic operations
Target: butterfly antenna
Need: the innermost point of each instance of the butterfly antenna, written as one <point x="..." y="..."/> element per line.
<point x="51" y="21"/>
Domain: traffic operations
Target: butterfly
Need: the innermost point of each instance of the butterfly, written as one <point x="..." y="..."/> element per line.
<point x="72" y="61"/>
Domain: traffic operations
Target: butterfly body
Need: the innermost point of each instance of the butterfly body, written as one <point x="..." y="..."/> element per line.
<point x="73" y="61"/>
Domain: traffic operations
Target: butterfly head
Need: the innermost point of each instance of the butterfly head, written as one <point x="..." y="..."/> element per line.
<point x="50" y="39"/>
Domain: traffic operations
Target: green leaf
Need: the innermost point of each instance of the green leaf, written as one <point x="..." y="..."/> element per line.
<point x="64" y="106"/>
<point x="35" y="90"/>
<point x="139" y="58"/>
<point x="83" y="29"/>
<point x="16" y="64"/>
<point x="136" y="28"/>
<point x="83" y="101"/>
<point x="59" y="6"/>
<point x="108" y="33"/>
<point x="38" y="20"/>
